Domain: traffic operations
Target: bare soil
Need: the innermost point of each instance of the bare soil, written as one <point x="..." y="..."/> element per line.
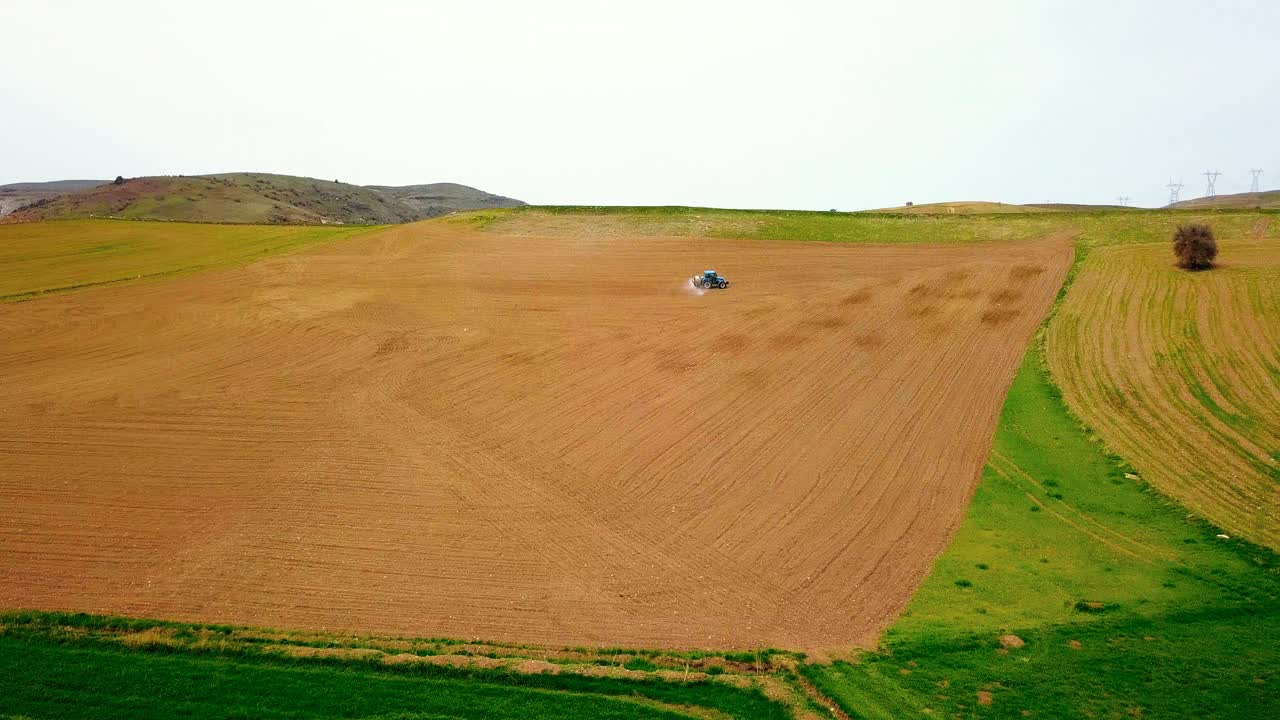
<point x="550" y="440"/>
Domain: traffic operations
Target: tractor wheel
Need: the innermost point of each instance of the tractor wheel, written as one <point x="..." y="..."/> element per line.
<point x="706" y="284"/>
<point x="724" y="285"/>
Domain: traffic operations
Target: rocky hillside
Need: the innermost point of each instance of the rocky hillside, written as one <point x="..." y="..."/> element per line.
<point x="257" y="198"/>
<point x="443" y="198"/>
<point x="19" y="195"/>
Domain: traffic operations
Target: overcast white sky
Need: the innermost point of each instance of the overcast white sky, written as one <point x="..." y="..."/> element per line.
<point x="794" y="104"/>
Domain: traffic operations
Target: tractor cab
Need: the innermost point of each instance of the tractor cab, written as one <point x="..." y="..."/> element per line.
<point x="709" y="279"/>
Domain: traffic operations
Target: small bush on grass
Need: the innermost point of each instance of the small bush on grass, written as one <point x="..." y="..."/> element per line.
<point x="1195" y="246"/>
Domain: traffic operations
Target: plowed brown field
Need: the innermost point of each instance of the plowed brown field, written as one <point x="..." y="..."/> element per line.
<point x="534" y="439"/>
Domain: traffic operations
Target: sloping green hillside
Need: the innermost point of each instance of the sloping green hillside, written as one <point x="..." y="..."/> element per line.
<point x="38" y="258"/>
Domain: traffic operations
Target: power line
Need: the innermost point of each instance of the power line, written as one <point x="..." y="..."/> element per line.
<point x="1174" y="189"/>
<point x="1212" y="177"/>
<point x="1257" y="173"/>
<point x="1123" y="200"/>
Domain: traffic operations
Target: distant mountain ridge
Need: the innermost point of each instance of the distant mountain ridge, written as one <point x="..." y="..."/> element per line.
<point x="256" y="198"/>
<point x="16" y="195"/>
<point x="442" y="198"/>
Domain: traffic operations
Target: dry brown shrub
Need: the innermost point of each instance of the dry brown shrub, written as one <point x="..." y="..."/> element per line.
<point x="1194" y="246"/>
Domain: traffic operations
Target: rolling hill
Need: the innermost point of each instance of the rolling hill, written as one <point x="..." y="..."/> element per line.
<point x="17" y="195"/>
<point x="258" y="198"/>
<point x="957" y="208"/>
<point x="1077" y="207"/>
<point x="1269" y="200"/>
<point x="438" y="199"/>
<point x="978" y="207"/>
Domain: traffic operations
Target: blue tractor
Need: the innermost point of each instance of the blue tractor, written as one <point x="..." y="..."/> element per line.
<point x="709" y="279"/>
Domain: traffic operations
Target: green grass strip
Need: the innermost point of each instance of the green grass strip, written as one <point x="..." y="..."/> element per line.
<point x="60" y="665"/>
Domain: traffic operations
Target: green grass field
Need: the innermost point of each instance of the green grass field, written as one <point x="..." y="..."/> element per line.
<point x="39" y="258"/>
<point x="56" y="665"/>
<point x="1093" y="227"/>
<point x="1179" y="372"/>
<point x="764" y="224"/>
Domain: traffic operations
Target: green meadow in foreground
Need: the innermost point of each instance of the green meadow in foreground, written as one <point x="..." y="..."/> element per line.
<point x="38" y="258"/>
<point x="56" y="665"/>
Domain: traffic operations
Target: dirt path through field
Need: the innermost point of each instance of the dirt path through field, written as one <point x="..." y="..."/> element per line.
<point x="550" y="440"/>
